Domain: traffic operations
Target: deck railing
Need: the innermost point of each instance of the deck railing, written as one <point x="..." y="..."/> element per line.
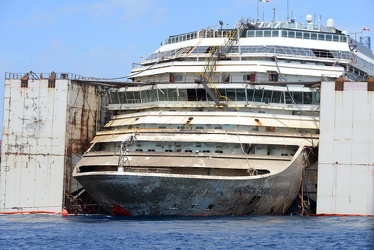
<point x="36" y="76"/>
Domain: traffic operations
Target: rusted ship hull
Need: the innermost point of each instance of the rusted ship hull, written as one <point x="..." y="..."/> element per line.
<point x="158" y="194"/>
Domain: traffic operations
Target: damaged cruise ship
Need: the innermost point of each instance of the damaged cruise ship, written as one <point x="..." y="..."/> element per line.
<point x="219" y="121"/>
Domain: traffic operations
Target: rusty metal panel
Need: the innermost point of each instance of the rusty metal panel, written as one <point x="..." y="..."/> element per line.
<point x="42" y="127"/>
<point x="371" y="84"/>
<point x="346" y="155"/>
<point x="31" y="167"/>
<point x="339" y="84"/>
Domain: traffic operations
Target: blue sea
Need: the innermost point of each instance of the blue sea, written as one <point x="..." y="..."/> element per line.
<point x="249" y="232"/>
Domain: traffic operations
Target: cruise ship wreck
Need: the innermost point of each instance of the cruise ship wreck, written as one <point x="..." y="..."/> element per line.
<point x="219" y="121"/>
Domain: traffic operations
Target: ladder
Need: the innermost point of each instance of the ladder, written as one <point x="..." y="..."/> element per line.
<point x="123" y="158"/>
<point x="205" y="78"/>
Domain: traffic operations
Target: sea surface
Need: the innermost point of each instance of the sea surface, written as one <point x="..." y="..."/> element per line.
<point x="249" y="232"/>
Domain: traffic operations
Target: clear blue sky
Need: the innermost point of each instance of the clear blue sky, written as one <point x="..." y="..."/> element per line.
<point x="102" y="38"/>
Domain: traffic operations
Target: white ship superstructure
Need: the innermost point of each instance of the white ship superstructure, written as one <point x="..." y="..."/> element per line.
<point x="219" y="121"/>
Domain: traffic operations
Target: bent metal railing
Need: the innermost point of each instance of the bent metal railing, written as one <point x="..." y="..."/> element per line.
<point x="36" y="76"/>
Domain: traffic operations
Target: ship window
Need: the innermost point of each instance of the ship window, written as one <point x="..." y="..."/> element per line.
<point x="273" y="77"/>
<point x="168" y="150"/>
<point x="231" y="94"/>
<point x="152" y="95"/>
<point x="250" y="93"/>
<point x="132" y="97"/>
<point x="188" y="151"/>
<point x="284" y="33"/>
<point x="328" y="37"/>
<point x="172" y="95"/>
<point x="182" y="95"/>
<point x="299" y="34"/>
<point x="200" y="49"/>
<point x="306" y="35"/>
<point x="258" y="95"/>
<point x="151" y="150"/>
<point x="193" y="207"/>
<point x="162" y="127"/>
<point x="291" y="34"/>
<point x="206" y="151"/>
<point x="278" y="97"/>
<point x="199" y="127"/>
<point x="307" y="98"/>
<point x="321" y="37"/>
<point x="226" y="77"/>
<point x="163" y="95"/>
<point x="122" y="97"/>
<point x="335" y="38"/>
<point x="275" y="33"/>
<point x="315" y="98"/>
<point x="240" y="95"/>
<point x="267" y="33"/>
<point x="313" y="36"/>
<point x="145" y="96"/>
<point x="298" y="97"/>
<point x="219" y="151"/>
<point x="191" y="94"/>
<point x="267" y="96"/>
<point x="138" y="149"/>
<point x="259" y="33"/>
<point x="249" y="77"/>
<point x="201" y="95"/>
<point x="114" y="97"/>
<point x="289" y="96"/>
<point x="178" y="78"/>
<point x="250" y="33"/>
<point x="217" y="127"/>
<point x="323" y="53"/>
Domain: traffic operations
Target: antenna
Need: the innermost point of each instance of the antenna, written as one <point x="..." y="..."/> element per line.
<point x="292" y="16"/>
<point x="288" y="12"/>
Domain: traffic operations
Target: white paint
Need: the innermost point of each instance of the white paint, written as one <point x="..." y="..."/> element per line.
<point x="37" y="131"/>
<point x="346" y="152"/>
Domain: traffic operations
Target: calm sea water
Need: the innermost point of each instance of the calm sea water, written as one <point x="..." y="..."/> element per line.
<point x="252" y="232"/>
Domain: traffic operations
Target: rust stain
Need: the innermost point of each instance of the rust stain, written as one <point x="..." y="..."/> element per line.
<point x="189" y="120"/>
<point x="258" y="122"/>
